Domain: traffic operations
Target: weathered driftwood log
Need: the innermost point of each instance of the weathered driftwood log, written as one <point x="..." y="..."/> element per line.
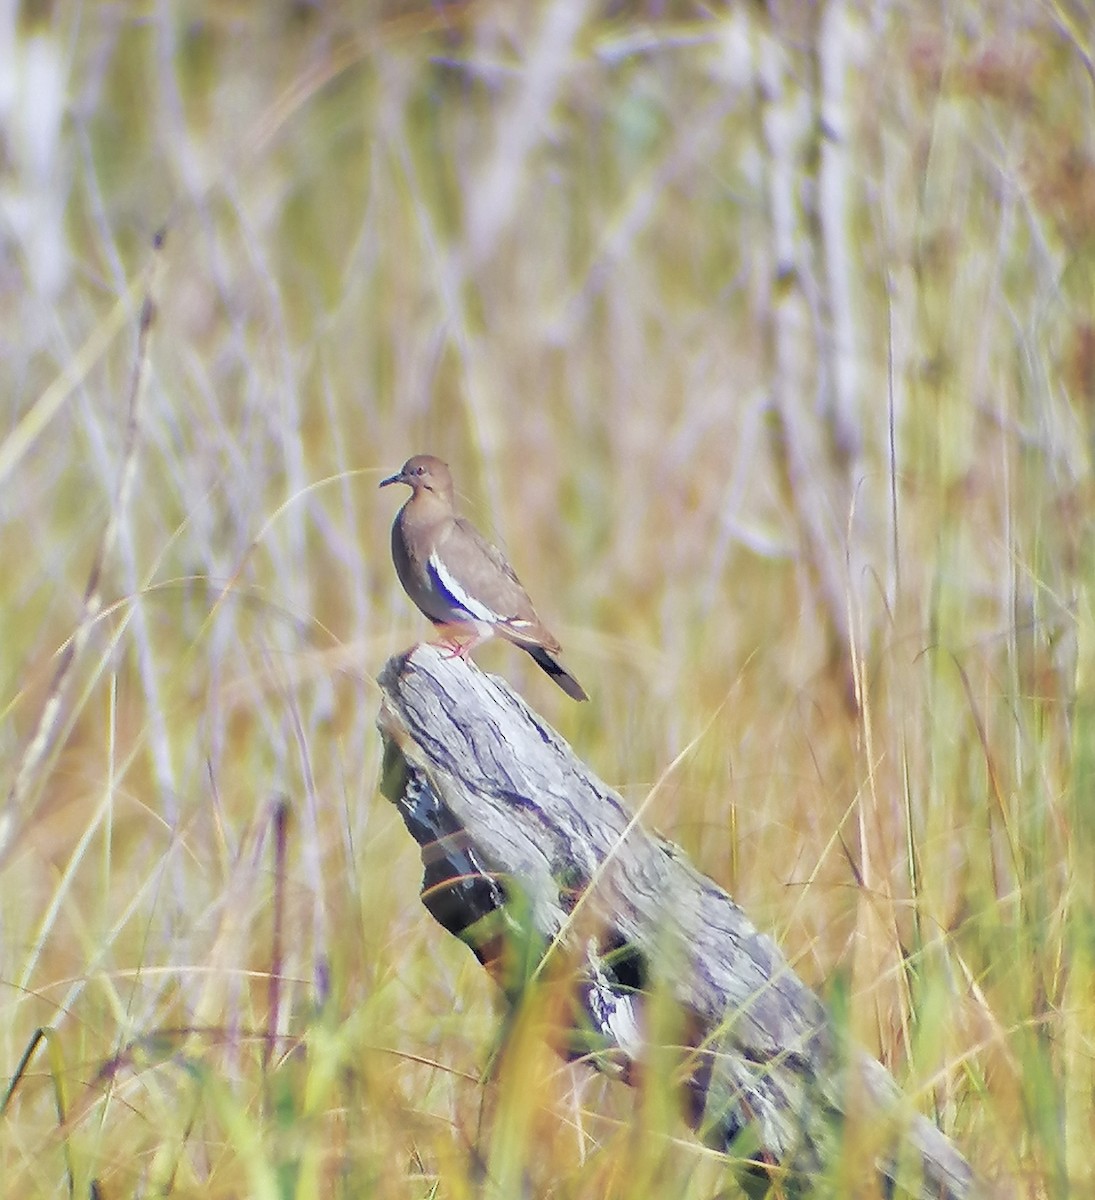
<point x="520" y="840"/>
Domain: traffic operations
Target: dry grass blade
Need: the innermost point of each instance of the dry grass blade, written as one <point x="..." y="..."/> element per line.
<point x="21" y="797"/>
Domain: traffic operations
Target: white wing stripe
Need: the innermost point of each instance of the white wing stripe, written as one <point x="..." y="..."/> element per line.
<point x="457" y="594"/>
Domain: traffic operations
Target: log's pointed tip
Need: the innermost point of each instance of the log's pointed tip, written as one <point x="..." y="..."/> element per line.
<point x="456" y="675"/>
<point x="425" y="656"/>
<point x="393" y="670"/>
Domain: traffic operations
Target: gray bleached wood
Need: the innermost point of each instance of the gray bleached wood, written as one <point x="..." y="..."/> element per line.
<point x="502" y="808"/>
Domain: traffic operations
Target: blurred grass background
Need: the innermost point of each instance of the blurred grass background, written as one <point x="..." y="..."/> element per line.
<point x="763" y="337"/>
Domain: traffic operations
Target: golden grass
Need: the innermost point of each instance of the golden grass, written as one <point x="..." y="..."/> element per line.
<point x="827" y="469"/>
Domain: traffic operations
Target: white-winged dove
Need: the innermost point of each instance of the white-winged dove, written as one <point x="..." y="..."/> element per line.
<point x="458" y="579"/>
